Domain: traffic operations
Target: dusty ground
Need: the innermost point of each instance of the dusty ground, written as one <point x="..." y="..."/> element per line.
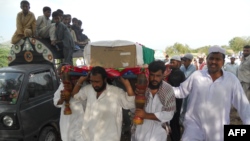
<point x="234" y="120"/>
<point x="234" y="117"/>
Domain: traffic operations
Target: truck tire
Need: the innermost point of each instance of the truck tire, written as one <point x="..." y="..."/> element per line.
<point x="48" y="133"/>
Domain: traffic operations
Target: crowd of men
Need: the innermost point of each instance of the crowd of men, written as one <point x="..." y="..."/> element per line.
<point x="60" y="32"/>
<point x="198" y="96"/>
<point x="179" y="94"/>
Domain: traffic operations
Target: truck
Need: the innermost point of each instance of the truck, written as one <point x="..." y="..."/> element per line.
<point x="27" y="87"/>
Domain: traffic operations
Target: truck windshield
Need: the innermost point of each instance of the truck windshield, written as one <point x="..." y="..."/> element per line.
<point x="9" y="87"/>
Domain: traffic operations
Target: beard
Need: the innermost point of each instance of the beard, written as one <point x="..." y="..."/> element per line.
<point x="100" y="89"/>
<point x="245" y="55"/>
<point x="153" y="87"/>
<point x="214" y="69"/>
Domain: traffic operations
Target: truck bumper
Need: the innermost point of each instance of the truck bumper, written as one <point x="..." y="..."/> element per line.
<point x="11" y="135"/>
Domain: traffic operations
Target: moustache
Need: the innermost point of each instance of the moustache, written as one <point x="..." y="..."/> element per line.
<point x="153" y="81"/>
<point x="213" y="65"/>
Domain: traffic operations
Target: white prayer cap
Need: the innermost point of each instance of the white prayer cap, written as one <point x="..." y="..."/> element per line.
<point x="216" y="48"/>
<point x="176" y="57"/>
<point x="201" y="55"/>
<point x="188" y="56"/>
<point x="233" y="56"/>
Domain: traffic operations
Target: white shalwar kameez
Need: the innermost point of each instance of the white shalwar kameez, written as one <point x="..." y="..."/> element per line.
<point x="210" y="103"/>
<point x="152" y="130"/>
<point x="70" y="125"/>
<point x="103" y="116"/>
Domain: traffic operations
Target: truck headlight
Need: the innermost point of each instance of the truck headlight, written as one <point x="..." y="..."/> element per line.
<point x="8" y="121"/>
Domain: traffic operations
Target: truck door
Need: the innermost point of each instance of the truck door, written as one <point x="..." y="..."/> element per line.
<point x="38" y="108"/>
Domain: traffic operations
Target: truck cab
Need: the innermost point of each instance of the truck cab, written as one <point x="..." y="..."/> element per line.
<point x="27" y="87"/>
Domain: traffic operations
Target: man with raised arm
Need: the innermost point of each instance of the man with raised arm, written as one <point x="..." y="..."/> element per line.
<point x="211" y="93"/>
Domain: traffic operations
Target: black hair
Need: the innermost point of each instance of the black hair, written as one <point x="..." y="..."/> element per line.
<point x="46" y="8"/>
<point x="55" y="14"/>
<point x="74" y="19"/>
<point x="156" y="66"/>
<point x="69" y="15"/>
<point x="223" y="56"/>
<point x="79" y="22"/>
<point x="24" y="2"/>
<point x="99" y="70"/>
<point x="60" y="12"/>
<point x="246" y="46"/>
<point x="65" y="16"/>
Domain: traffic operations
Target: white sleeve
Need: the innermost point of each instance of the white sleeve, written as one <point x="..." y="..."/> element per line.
<point x="82" y="94"/>
<point x="164" y="116"/>
<point x="185" y="87"/>
<point x="241" y="103"/>
<point x="38" y="23"/>
<point x="57" y="95"/>
<point x="126" y="101"/>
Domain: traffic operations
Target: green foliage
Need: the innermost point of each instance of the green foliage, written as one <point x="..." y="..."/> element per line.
<point x="237" y="43"/>
<point x="225" y="47"/>
<point x="4" y="52"/>
<point x="201" y="50"/>
<point x="178" y="48"/>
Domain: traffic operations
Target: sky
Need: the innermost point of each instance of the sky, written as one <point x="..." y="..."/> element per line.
<point x="156" y="24"/>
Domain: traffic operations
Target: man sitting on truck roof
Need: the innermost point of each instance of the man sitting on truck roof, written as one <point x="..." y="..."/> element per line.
<point x="25" y="24"/>
<point x="82" y="38"/>
<point x="65" y="20"/>
<point x="44" y="27"/>
<point x="61" y="13"/>
<point x="70" y="18"/>
<point x="64" y="38"/>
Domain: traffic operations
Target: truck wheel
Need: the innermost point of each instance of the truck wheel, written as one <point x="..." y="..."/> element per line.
<point x="48" y="133"/>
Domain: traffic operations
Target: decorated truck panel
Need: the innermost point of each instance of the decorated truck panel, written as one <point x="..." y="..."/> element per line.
<point x="27" y="89"/>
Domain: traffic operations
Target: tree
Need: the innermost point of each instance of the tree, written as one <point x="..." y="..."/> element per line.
<point x="225" y="46"/>
<point x="202" y="50"/>
<point x="4" y="51"/>
<point x="237" y="43"/>
<point x="177" y="48"/>
<point x="169" y="50"/>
